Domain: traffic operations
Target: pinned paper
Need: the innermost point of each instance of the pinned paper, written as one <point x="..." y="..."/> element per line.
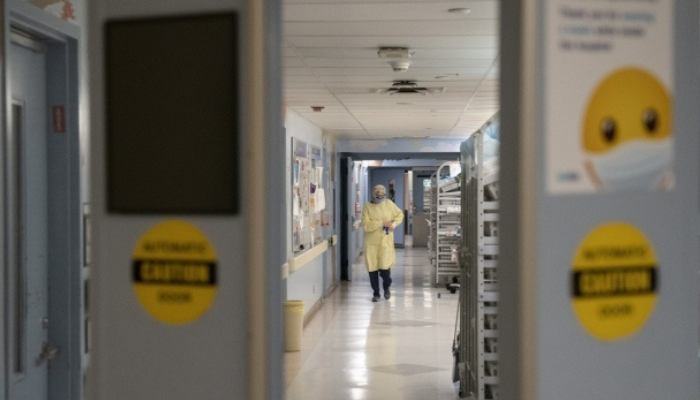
<point x="319" y="175"/>
<point x="320" y="200"/>
<point x="296" y="209"/>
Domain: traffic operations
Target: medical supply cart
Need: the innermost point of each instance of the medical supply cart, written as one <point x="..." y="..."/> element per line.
<point x="478" y="314"/>
<point x="447" y="220"/>
<point x="432" y="221"/>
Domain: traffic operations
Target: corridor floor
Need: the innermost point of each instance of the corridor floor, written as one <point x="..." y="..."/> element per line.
<point x="398" y="349"/>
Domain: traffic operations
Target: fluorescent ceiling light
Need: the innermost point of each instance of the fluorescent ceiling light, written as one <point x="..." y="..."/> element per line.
<point x="393" y="52"/>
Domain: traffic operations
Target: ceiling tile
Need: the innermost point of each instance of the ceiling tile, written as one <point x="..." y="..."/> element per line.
<point x="440" y="42"/>
<point x="385" y="10"/>
<point x="330" y="60"/>
<point x="423" y="53"/>
<point x="478" y="27"/>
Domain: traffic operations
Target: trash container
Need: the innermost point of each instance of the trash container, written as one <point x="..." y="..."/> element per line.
<point x="293" y="324"/>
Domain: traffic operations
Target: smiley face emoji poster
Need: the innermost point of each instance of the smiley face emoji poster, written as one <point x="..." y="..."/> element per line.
<point x="608" y="114"/>
<point x="627" y="133"/>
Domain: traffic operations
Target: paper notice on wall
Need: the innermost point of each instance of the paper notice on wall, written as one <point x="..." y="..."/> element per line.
<point x="608" y="95"/>
<point x="296" y="209"/>
<point x="319" y="175"/>
<point x="320" y="200"/>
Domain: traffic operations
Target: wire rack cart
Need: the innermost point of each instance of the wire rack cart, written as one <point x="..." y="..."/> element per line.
<point x="447" y="220"/>
<point x="478" y="258"/>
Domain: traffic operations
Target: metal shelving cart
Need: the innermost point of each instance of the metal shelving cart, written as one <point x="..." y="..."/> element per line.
<point x="447" y="220"/>
<point x="426" y="198"/>
<point x="478" y="256"/>
<point x="432" y="221"/>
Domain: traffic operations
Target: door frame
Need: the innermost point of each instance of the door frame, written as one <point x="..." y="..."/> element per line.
<point x="66" y="274"/>
<point x="345" y="227"/>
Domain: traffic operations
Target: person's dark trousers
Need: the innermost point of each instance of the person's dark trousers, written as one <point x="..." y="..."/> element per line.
<point x="374" y="280"/>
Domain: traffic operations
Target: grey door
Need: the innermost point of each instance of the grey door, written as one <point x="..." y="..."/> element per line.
<point x="27" y="227"/>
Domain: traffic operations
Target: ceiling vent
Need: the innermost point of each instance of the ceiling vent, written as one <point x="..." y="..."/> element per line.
<point x="409" y="88"/>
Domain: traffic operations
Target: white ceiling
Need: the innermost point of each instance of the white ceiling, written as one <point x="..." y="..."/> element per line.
<point x="330" y="60"/>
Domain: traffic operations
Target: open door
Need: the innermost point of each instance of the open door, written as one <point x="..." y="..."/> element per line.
<point x="347" y="217"/>
<point x="42" y="215"/>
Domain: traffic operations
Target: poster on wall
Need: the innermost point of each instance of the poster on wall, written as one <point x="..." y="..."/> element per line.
<point x="300" y="198"/>
<point x="316" y="193"/>
<point x="309" y="199"/>
<point x="328" y="211"/>
<point x="609" y="96"/>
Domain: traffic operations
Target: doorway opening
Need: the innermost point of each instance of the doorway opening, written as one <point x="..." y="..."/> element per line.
<point x="42" y="213"/>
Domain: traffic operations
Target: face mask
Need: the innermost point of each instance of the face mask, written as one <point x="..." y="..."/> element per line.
<point x="636" y="165"/>
<point x="378" y="200"/>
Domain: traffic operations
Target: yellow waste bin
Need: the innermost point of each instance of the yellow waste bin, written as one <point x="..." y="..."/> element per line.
<point x="293" y="324"/>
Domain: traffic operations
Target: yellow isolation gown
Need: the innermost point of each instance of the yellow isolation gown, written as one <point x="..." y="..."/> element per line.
<point x="379" y="247"/>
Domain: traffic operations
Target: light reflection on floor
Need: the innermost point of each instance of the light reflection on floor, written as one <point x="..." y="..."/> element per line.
<point x="396" y="349"/>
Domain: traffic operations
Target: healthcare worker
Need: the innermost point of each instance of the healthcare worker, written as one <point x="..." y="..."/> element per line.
<point x="379" y="218"/>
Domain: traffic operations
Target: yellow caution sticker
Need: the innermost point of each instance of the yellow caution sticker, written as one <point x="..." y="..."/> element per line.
<point x="614" y="281"/>
<point x="174" y="272"/>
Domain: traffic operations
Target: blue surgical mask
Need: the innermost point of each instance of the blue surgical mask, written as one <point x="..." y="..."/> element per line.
<point x="378" y="200"/>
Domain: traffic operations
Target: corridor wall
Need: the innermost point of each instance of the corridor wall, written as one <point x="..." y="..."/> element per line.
<point x="314" y="279"/>
<point x="221" y="337"/>
<point x="557" y="339"/>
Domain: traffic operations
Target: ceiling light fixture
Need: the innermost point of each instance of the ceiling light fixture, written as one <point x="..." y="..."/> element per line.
<point x="394" y="52"/>
<point x="446" y="76"/>
<point x="460" y="10"/>
<point x="400" y="56"/>
<point x="317" y="108"/>
<point x="400" y="65"/>
<point x="435" y="90"/>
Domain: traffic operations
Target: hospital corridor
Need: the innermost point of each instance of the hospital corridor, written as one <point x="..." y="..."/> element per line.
<point x="202" y="200"/>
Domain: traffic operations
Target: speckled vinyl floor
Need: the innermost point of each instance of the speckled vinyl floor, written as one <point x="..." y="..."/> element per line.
<point x="397" y="349"/>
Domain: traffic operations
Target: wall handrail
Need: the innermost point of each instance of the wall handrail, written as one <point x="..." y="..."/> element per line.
<point x="300" y="261"/>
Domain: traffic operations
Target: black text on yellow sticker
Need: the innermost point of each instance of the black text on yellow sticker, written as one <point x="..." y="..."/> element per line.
<point x="174" y="272"/>
<point x="614" y="281"/>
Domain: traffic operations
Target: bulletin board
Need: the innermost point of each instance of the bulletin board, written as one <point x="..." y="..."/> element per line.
<point x="328" y="213"/>
<point x="309" y="203"/>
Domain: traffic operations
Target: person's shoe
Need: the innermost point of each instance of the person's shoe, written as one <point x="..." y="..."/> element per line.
<point x="387" y="294"/>
<point x="375" y="299"/>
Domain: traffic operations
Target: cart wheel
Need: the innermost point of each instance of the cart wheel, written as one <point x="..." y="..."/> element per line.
<point x="453" y="290"/>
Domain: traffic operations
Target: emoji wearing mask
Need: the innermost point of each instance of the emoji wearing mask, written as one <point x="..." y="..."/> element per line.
<point x="628" y="133"/>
